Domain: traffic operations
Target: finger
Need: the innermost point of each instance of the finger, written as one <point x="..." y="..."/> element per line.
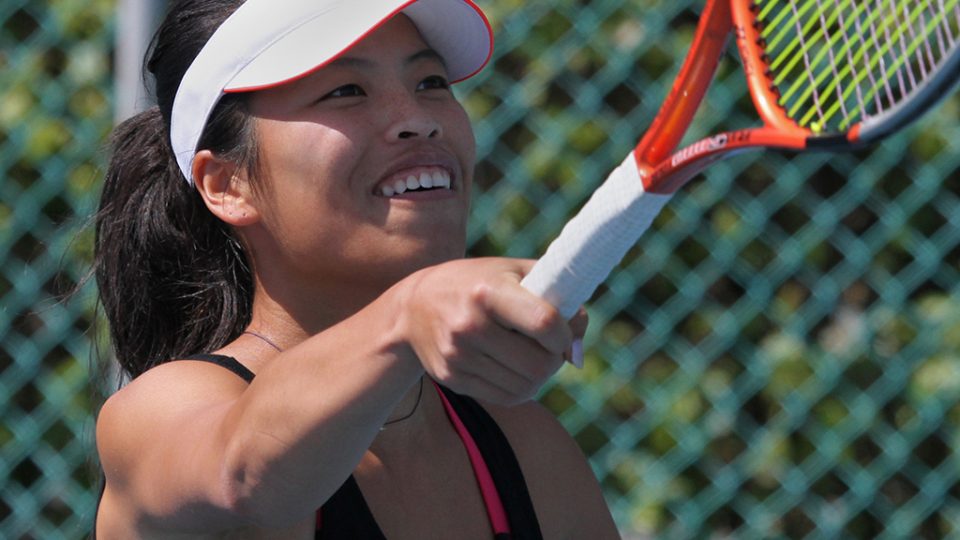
<point x="579" y="323"/>
<point x="484" y="390"/>
<point x="575" y="354"/>
<point x="501" y="375"/>
<point x="578" y="326"/>
<point x="524" y="266"/>
<point x="469" y="358"/>
<point x="520" y="354"/>
<point x="516" y="308"/>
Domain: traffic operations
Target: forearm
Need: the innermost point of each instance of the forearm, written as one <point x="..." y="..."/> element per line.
<point x="304" y="423"/>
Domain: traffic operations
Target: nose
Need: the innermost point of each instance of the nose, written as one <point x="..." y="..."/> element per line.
<point x="410" y="119"/>
<point x="413" y="133"/>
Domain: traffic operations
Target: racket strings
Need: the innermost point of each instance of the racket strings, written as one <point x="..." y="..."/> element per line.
<point x="834" y="63"/>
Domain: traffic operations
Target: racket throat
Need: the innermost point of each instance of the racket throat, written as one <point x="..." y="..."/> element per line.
<point x="697" y="72"/>
<point x="687" y="163"/>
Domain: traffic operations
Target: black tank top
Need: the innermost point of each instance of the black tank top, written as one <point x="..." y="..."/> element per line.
<point x="346" y="514"/>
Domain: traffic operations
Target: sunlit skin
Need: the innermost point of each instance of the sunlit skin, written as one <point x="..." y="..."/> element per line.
<point x="365" y="294"/>
<point x="326" y="142"/>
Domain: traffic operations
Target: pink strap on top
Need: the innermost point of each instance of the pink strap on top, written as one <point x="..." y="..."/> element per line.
<point x="488" y="490"/>
<point x="491" y="498"/>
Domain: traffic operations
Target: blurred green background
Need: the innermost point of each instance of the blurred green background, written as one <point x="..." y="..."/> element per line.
<point x="778" y="357"/>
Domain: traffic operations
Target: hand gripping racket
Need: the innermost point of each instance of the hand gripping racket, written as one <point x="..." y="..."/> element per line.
<point x="823" y="75"/>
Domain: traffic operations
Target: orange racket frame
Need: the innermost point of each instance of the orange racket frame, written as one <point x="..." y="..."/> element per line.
<point x="625" y="205"/>
<point x="662" y="168"/>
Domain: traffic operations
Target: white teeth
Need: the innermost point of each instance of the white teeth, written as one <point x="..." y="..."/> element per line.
<point x="438" y="178"/>
<point x="441" y="179"/>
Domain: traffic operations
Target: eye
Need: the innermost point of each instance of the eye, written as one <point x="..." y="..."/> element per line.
<point x="434" y="82"/>
<point x="347" y="90"/>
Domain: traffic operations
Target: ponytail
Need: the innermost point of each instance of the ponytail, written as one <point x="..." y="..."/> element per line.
<point x="173" y="279"/>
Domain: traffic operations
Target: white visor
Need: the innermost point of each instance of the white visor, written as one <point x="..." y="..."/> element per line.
<point x="266" y="43"/>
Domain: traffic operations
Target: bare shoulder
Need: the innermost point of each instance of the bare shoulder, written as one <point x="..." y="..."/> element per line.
<point x="565" y="493"/>
<point x="150" y="424"/>
<point x="163" y="394"/>
<point x="532" y="429"/>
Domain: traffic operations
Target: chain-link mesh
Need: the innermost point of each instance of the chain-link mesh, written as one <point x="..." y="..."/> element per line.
<point x="54" y="114"/>
<point x="779" y="356"/>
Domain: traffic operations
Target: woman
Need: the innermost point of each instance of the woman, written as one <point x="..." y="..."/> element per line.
<point x="279" y="253"/>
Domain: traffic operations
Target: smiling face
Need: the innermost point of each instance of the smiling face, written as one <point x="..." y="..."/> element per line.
<point x="365" y="164"/>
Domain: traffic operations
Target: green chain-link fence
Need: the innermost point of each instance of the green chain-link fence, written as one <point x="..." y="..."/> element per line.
<point x="778" y="357"/>
<point x="54" y="114"/>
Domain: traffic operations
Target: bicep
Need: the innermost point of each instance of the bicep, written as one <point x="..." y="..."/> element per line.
<point x="565" y="492"/>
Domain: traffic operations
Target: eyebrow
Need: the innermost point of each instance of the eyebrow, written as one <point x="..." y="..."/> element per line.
<point x="425" y="54"/>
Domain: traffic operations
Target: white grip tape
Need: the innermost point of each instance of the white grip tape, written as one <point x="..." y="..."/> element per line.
<point x="595" y="240"/>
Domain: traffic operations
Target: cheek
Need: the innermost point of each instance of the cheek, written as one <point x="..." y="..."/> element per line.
<point x="305" y="158"/>
<point x="460" y="133"/>
<point x="463" y="130"/>
<point x="305" y="169"/>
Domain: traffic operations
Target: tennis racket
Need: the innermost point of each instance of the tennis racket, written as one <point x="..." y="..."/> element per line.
<point x="822" y="74"/>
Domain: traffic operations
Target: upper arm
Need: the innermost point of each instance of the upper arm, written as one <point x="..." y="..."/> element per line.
<point x="565" y="493"/>
<point x="161" y="440"/>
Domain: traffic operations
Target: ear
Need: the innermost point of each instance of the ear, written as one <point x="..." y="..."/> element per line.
<point x="225" y="189"/>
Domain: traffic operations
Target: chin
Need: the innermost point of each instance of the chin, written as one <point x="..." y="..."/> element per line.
<point x="390" y="273"/>
<point x="419" y="261"/>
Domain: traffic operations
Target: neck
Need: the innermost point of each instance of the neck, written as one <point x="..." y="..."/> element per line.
<point x="288" y="315"/>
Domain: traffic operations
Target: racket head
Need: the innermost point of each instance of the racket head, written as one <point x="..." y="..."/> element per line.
<point x="847" y="72"/>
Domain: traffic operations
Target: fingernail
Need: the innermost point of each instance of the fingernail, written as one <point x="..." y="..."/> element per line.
<point x="576" y="357"/>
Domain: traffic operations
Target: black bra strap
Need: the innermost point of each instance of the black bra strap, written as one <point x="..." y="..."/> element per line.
<point x="228" y="362"/>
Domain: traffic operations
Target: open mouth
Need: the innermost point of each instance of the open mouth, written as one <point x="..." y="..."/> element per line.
<point x="427" y="179"/>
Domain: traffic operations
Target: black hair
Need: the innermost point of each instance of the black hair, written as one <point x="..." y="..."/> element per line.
<point x="173" y="279"/>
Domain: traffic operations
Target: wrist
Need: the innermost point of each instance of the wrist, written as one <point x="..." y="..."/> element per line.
<point x="393" y="306"/>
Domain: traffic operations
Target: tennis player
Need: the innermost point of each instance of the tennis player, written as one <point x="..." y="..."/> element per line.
<point x="280" y="252"/>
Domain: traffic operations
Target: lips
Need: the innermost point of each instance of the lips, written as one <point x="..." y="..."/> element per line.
<point x="414" y="179"/>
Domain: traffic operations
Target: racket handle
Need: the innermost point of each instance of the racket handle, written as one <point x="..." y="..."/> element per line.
<point x="595" y="240"/>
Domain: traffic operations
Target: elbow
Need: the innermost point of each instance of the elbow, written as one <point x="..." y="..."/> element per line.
<point x="252" y="504"/>
<point x="262" y="485"/>
<point x="245" y="494"/>
<point x="238" y="494"/>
